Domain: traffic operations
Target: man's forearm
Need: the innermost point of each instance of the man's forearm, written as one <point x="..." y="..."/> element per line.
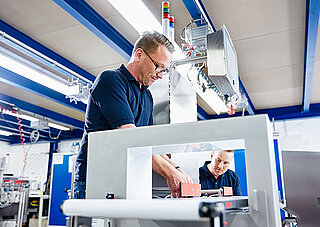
<point x="161" y="165"/>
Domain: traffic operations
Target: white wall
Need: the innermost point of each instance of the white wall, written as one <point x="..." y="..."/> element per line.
<point x="299" y="135"/>
<point x="37" y="159"/>
<point x="66" y="146"/>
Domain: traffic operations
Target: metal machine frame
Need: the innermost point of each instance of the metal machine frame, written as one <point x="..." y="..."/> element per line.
<point x="119" y="162"/>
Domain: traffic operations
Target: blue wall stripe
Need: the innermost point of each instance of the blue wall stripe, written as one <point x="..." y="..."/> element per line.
<point x="240" y="169"/>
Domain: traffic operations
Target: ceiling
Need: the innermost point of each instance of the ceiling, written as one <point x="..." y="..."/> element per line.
<point x="269" y="37"/>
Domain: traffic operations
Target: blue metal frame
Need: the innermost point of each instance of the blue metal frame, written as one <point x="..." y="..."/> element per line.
<point x="280" y="113"/>
<point x="42" y="111"/>
<point x="311" y="27"/>
<point x="202" y="115"/>
<point x="291" y="112"/>
<point x="13" y="79"/>
<point x="8" y="29"/>
<point x="195" y="13"/>
<point x="88" y="17"/>
<point x="279" y="175"/>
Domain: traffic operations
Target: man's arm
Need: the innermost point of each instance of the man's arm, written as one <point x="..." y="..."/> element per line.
<point x="168" y="171"/>
<point x="189" y="180"/>
<point x="236" y="187"/>
<point x="126" y="126"/>
<point x="166" y="168"/>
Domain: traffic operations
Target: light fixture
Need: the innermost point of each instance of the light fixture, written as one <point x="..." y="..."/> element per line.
<point x="33" y="119"/>
<point x="5" y="133"/>
<point x="60" y="127"/>
<point x="142" y="19"/>
<point x="17" y="67"/>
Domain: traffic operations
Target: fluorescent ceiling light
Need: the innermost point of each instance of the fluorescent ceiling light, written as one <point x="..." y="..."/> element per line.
<point x="23" y="116"/>
<point x="32" y="74"/>
<point x="140" y="17"/>
<point x="53" y="125"/>
<point x="29" y="118"/>
<point x="5" y="133"/>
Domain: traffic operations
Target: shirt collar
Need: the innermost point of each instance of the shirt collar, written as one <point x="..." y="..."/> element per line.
<point x="207" y="171"/>
<point x="129" y="76"/>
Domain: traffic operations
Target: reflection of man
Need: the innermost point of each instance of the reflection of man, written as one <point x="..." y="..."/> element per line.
<point x="215" y="174"/>
<point x="120" y="99"/>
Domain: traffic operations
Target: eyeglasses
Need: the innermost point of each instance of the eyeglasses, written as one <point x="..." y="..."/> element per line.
<point x="158" y="68"/>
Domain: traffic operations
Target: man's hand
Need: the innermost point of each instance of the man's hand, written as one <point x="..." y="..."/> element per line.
<point x="165" y="167"/>
<point x="189" y="180"/>
<point x="174" y="179"/>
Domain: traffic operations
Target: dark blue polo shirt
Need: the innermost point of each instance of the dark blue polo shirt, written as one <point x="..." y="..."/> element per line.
<point x="115" y="99"/>
<point x="229" y="179"/>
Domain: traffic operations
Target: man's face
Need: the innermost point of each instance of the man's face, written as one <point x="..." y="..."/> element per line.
<point x="222" y="162"/>
<point x="147" y="70"/>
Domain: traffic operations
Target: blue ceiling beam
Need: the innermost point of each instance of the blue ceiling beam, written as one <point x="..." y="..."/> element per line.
<point x="201" y="114"/>
<point x="196" y="13"/>
<point x="88" y="17"/>
<point x="42" y="111"/>
<point x="8" y="139"/>
<point x="291" y="112"/>
<point x="280" y="113"/>
<point x="311" y="30"/>
<point x="13" y="79"/>
<point x="11" y="31"/>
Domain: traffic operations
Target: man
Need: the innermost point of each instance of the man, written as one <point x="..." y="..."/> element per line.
<point x="120" y="99"/>
<point x="215" y="174"/>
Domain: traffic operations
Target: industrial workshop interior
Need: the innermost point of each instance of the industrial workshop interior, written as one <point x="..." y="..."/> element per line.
<point x="152" y="113"/>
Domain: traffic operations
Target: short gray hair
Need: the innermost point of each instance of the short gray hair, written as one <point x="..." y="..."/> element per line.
<point x="151" y="40"/>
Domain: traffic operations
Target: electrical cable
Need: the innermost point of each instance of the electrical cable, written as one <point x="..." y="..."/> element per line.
<point x="54" y="138"/>
<point x="24" y="150"/>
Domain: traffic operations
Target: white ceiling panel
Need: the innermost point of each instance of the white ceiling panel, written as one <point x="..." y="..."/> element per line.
<point x="81" y="46"/>
<point x="278" y="98"/>
<point x="250" y="18"/>
<point x="97" y="70"/>
<point x="271" y="51"/>
<point x="115" y="19"/>
<point x="271" y="81"/>
<point x="315" y="89"/>
<point x="34" y="17"/>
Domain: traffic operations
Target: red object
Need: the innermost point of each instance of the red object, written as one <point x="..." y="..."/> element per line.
<point x="228" y="204"/>
<point x="189" y="189"/>
<point x="231" y="110"/>
<point x="227" y="191"/>
<point x="225" y="223"/>
<point x="165" y="15"/>
<point x="171" y="19"/>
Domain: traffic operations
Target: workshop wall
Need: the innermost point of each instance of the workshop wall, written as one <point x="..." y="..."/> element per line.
<point x="299" y="135"/>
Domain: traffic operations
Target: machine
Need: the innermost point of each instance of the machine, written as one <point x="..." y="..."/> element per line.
<point x="14" y="194"/>
<point x="126" y="156"/>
